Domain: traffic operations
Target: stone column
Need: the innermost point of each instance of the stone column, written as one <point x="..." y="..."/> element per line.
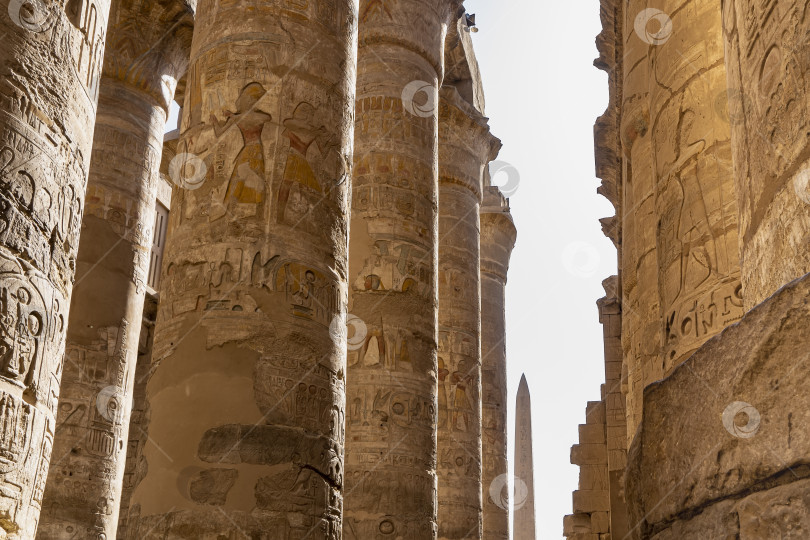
<point x="135" y="468"/>
<point x="680" y="262"/>
<point x="147" y="51"/>
<point x="768" y="67"/>
<point x="247" y="393"/>
<point x="498" y="235"/>
<point x="50" y="65"/>
<point x="391" y="423"/>
<point x="465" y="148"/>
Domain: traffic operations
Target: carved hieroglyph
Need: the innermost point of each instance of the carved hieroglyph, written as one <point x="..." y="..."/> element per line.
<point x="768" y="65"/>
<point x="247" y="393"/>
<point x="498" y="235"/>
<point x="680" y="263"/>
<point x="465" y="148"/>
<point x="147" y="51"/>
<point x="523" y="493"/>
<point x="391" y="396"/>
<point x="50" y="65"/>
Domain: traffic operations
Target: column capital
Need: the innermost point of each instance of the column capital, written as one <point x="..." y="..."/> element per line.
<point x="465" y="141"/>
<point x="498" y="233"/>
<point x="149" y="44"/>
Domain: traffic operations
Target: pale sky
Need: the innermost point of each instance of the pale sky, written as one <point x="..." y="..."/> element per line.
<point x="543" y="95"/>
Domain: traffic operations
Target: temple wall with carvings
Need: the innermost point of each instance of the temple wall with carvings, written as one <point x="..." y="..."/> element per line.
<point x="702" y="151"/>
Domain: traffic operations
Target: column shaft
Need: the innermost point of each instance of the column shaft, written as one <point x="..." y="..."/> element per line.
<point x="247" y="392"/>
<point x="50" y="65"/>
<point x="83" y="492"/>
<point x="680" y="267"/>
<point x="465" y="147"/>
<point x="391" y="423"/>
<point x="498" y="235"/>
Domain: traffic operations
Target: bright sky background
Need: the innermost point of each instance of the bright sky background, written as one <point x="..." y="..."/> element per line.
<point x="543" y="95"/>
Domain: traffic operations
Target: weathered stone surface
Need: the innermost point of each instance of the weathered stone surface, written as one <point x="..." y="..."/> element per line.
<point x="50" y="66"/>
<point x="465" y="148"/>
<point x="393" y="371"/>
<point x="680" y="263"/>
<point x="718" y="451"/>
<point x="768" y="64"/>
<point x="113" y="259"/>
<point x="782" y="512"/>
<point x="523" y="500"/>
<point x="693" y="449"/>
<point x="716" y="522"/>
<point x="498" y="236"/>
<point x="135" y="468"/>
<point x="211" y="486"/>
<point x="250" y="340"/>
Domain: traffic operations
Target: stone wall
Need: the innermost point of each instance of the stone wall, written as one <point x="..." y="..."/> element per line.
<point x="705" y="334"/>
<point x="723" y="448"/>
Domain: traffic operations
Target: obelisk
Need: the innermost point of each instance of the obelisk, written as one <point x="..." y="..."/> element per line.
<point x="523" y="497"/>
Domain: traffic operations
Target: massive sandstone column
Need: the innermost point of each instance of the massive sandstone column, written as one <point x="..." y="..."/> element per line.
<point x="147" y="51"/>
<point x="136" y="467"/>
<point x="680" y="258"/>
<point x="247" y="392"/>
<point x="498" y="235"/>
<point x="50" y="65"/>
<point x="768" y="64"/>
<point x="523" y="500"/>
<point x="465" y="148"/>
<point x="391" y="423"/>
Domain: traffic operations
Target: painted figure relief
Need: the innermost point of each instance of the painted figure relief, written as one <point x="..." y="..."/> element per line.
<point x="245" y="189"/>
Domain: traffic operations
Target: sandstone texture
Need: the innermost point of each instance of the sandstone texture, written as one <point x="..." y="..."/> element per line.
<point x="465" y="148"/>
<point x="393" y="373"/>
<point x="498" y="236"/>
<point x="702" y="153"/>
<point x="246" y="394"/>
<point x="89" y="450"/>
<point x="50" y="69"/>
<point x="287" y="318"/>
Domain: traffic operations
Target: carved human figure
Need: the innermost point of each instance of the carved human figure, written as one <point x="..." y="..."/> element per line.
<point x="248" y="329"/>
<point x="245" y="188"/>
<point x="302" y="133"/>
